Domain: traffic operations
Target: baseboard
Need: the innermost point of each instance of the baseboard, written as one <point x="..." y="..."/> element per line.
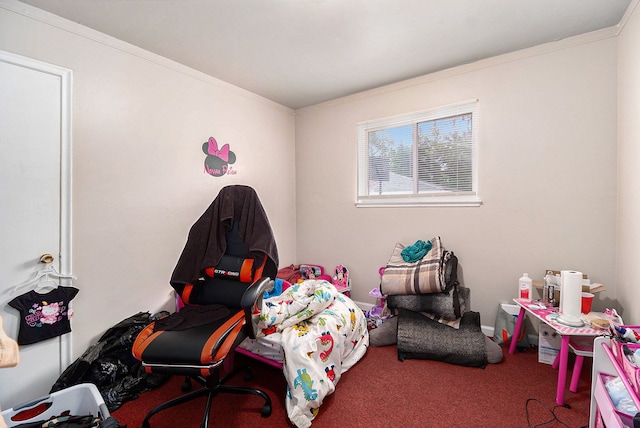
<point x="364" y="306"/>
<point x="486" y="329"/>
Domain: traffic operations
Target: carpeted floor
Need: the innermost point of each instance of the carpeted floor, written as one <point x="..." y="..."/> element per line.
<point x="381" y="391"/>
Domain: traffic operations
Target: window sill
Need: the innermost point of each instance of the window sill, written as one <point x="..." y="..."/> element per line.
<point x="419" y="201"/>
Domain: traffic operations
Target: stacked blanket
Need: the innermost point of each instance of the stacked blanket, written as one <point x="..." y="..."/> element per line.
<point x="431" y="307"/>
<point x="444" y="308"/>
<point x="428" y="274"/>
<point x="436" y="335"/>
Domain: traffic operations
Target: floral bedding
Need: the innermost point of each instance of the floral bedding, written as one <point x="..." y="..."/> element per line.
<point x="323" y="334"/>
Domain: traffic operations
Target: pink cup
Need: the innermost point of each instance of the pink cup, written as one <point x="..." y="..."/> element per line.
<point x="587" y="301"/>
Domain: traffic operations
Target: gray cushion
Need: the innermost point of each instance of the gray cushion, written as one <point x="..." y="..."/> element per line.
<point x="494" y="351"/>
<point x="386" y="333"/>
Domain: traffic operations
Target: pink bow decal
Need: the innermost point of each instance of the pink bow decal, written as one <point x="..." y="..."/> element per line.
<point x="223" y="153"/>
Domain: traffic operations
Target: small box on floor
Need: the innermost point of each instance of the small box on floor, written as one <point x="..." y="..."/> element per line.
<point x="548" y="344"/>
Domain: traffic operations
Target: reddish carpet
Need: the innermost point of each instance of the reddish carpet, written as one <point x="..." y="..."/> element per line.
<point x="381" y="391"/>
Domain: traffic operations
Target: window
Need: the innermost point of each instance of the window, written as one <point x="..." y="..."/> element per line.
<point x="422" y="158"/>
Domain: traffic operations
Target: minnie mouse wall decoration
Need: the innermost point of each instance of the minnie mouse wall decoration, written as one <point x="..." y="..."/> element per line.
<point x="218" y="159"/>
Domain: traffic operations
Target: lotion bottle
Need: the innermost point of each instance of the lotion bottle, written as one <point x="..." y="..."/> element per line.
<point x="525" y="287"/>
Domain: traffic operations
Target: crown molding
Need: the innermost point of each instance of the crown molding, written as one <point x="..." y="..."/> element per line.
<point x="542" y="49"/>
<point x="64" y="24"/>
<point x="627" y="14"/>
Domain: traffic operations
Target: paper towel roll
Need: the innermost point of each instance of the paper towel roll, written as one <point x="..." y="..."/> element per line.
<point x="570" y="292"/>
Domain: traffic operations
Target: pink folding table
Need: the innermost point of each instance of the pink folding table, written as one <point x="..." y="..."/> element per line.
<point x="549" y="316"/>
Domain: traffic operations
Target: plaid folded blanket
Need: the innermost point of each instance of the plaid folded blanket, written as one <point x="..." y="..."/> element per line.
<point x="427" y="275"/>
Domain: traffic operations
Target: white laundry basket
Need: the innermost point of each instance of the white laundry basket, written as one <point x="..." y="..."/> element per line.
<point x="82" y="399"/>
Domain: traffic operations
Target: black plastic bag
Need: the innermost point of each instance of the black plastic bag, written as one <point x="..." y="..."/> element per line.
<point x="110" y="365"/>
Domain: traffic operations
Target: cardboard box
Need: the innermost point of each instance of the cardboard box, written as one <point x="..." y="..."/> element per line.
<point x="587" y="286"/>
<point x="548" y="344"/>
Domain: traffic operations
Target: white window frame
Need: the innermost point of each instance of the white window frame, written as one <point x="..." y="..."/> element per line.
<point x="364" y="199"/>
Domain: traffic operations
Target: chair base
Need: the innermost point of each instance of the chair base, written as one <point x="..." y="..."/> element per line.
<point x="211" y="386"/>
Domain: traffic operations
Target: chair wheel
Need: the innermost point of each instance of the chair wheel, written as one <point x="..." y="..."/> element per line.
<point x="248" y="375"/>
<point x="266" y="411"/>
<point x="186" y="386"/>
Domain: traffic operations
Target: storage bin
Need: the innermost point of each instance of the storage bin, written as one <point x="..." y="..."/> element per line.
<point x="79" y="400"/>
<point x="632" y="371"/>
<point x="607" y="415"/>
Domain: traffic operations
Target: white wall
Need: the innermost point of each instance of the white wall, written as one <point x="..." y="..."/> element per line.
<point x="547" y="167"/>
<point x="547" y="173"/>
<point x="629" y="166"/>
<point x="139" y="122"/>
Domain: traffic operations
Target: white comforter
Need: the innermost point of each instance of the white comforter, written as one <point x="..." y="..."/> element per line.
<point x="323" y="334"/>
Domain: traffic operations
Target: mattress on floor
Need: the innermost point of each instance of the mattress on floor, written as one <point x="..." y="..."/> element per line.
<point x="268" y="347"/>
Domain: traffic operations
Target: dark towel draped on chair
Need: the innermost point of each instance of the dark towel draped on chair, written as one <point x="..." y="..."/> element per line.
<point x="207" y="244"/>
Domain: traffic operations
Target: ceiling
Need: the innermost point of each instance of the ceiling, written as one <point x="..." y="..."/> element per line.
<point x="302" y="52"/>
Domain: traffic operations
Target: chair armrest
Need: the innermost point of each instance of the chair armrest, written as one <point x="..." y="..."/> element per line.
<point x="251" y="302"/>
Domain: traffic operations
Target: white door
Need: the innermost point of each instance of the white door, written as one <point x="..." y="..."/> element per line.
<point x="34" y="207"/>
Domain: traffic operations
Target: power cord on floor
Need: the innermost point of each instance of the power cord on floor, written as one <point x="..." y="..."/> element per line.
<point x="554" y="417"/>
